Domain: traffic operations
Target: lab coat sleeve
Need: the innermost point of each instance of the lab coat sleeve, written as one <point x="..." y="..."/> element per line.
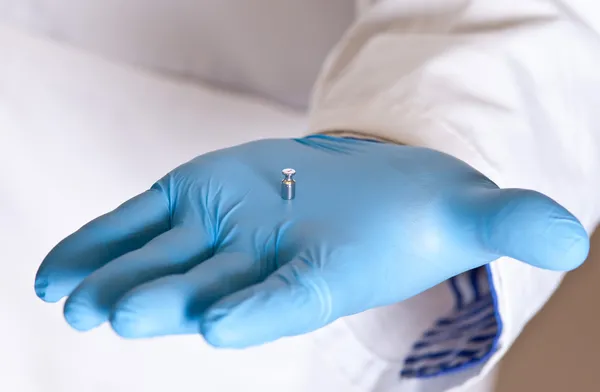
<point x="509" y="87"/>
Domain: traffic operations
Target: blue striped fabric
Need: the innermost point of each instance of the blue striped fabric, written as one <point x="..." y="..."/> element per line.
<point x="465" y="337"/>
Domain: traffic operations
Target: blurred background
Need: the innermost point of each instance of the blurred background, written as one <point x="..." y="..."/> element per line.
<point x="558" y="351"/>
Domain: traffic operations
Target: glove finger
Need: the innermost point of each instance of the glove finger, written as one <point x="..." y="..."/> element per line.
<point x="531" y="227"/>
<point x="174" y="304"/>
<point x="293" y="300"/>
<point x="173" y="252"/>
<point x="126" y="228"/>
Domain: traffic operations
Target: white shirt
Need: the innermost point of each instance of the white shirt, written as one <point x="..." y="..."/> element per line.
<point x="273" y="49"/>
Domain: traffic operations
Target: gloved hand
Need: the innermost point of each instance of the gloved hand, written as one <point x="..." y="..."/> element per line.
<point x="213" y="248"/>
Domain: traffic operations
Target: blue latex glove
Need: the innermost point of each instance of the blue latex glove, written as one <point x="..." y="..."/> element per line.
<point x="213" y="248"/>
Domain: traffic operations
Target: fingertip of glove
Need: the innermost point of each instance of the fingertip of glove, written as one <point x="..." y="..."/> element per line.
<point x="40" y="286"/>
<point x="219" y="336"/>
<point x="531" y="227"/>
<point x="78" y="315"/>
<point x="215" y="338"/>
<point x="126" y="323"/>
<point x="229" y="326"/>
<point x="45" y="291"/>
<point x="561" y="242"/>
<point x="571" y="246"/>
<point x="214" y="332"/>
<point x="130" y="319"/>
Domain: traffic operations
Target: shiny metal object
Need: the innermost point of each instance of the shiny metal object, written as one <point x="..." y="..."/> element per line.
<point x="288" y="185"/>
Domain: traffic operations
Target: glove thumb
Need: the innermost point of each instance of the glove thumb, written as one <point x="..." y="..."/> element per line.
<point x="530" y="227"/>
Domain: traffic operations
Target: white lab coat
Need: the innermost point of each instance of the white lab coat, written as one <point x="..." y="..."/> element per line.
<point x="509" y="87"/>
